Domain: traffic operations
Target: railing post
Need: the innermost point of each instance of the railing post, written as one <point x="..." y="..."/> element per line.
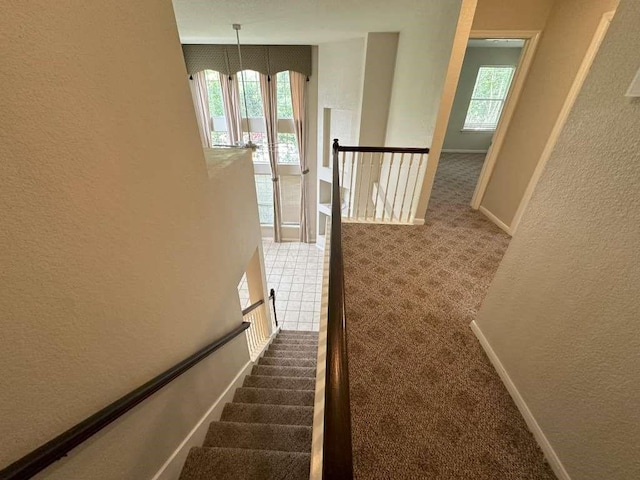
<point x="272" y="297"/>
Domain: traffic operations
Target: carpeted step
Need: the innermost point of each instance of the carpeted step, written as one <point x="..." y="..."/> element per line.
<point x="241" y="464"/>
<point x="286" y="383"/>
<point x="295" y="341"/>
<point x="259" y="436"/>
<point x="288" y="362"/>
<point x="258" y="413"/>
<point x="274" y="396"/>
<point x="293" y="336"/>
<point x="275" y="371"/>
<point x="290" y="353"/>
<point x="297" y="332"/>
<point x="293" y="348"/>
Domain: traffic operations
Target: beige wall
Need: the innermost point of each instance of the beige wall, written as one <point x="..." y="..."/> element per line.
<point x="562" y="312"/>
<point x="475" y="57"/>
<point x="424" y="49"/>
<point x="567" y="35"/>
<point x="118" y="256"/>
<point x="380" y="62"/>
<point x="511" y="14"/>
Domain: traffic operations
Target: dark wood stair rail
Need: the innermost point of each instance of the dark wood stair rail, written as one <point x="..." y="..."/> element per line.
<point x="52" y="451"/>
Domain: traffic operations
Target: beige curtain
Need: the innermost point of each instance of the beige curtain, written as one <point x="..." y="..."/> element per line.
<point x="269" y="93"/>
<point x="232" y="113"/>
<point x="201" y="104"/>
<point x="298" y="83"/>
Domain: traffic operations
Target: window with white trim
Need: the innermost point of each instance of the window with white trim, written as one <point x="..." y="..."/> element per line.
<point x="488" y="97"/>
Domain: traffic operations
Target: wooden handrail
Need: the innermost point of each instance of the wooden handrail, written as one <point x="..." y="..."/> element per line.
<point x="52" y="451"/>
<point x="337" y="462"/>
<point x="342" y="148"/>
<point x="252" y="307"/>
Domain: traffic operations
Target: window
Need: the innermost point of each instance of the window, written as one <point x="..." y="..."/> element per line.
<point x="487" y="99"/>
<point x="219" y="135"/>
<point x="253" y="119"/>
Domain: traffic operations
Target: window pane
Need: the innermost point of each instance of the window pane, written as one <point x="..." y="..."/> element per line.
<point x="288" y="149"/>
<point x="251" y="84"/>
<point x="285" y="109"/>
<point x="483" y="114"/>
<point x="214" y="89"/>
<point x="492" y="83"/>
<point x="290" y="199"/>
<point x="264" y="191"/>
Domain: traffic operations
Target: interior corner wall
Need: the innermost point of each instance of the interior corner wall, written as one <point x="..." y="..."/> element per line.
<point x="424" y="49"/>
<point x="117" y="261"/>
<point x="562" y="312"/>
<point x="380" y="62"/>
<point x="566" y="37"/>
<point x="312" y="145"/>
<point x="475" y="57"/>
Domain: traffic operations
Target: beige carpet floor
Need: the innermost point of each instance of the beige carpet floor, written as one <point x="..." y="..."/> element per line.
<point x="426" y="403"/>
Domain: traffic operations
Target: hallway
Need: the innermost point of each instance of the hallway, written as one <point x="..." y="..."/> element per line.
<point x="426" y="402"/>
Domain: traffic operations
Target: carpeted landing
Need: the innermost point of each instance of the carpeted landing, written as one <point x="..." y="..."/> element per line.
<point x="426" y="403"/>
<point x="265" y="433"/>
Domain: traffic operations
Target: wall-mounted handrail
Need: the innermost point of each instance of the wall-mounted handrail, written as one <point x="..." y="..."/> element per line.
<point x="272" y="297"/>
<point x="337" y="462"/>
<point x="52" y="451"/>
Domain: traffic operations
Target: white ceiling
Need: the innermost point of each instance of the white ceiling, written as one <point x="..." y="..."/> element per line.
<point x="308" y="22"/>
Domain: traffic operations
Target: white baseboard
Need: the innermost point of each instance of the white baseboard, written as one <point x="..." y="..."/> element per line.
<point x="418" y="221"/>
<point x="503" y="226"/>
<point x="547" y="449"/>
<point x="458" y="150"/>
<point x="173" y="466"/>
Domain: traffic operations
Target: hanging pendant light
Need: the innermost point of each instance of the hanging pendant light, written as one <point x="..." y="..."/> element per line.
<point x="237" y="27"/>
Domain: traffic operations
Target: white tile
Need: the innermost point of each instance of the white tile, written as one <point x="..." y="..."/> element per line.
<point x="307" y="307"/>
<point x="293" y="305"/>
<point x="308" y="296"/>
<point x="282" y="296"/>
<point x="298" y="278"/>
<point x="305" y="326"/>
<point x="283" y="287"/>
<point x="297" y="287"/>
<point x="290" y="316"/>
<point x="305" y="317"/>
<point x="286" y="278"/>
<point x="296" y="296"/>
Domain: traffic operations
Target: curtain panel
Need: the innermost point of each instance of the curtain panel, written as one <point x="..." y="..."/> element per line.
<point x="232" y="112"/>
<point x="269" y="93"/>
<point x="201" y="104"/>
<point x="298" y="83"/>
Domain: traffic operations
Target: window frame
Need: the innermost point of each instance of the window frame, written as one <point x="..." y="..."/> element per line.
<point x="502" y="100"/>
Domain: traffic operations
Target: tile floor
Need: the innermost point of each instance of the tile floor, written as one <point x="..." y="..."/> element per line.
<point x="294" y="271"/>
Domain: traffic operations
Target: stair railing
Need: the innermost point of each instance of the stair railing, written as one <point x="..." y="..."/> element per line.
<point x="380" y="184"/>
<point x="259" y="332"/>
<point x="57" y="448"/>
<point x="337" y="460"/>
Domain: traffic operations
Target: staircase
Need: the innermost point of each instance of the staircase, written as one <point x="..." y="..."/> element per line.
<point x="265" y="433"/>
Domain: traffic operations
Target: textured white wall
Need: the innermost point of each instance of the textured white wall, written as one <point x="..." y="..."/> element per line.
<point x="118" y="256"/>
<point x="566" y="37"/>
<point x="424" y="49"/>
<point x="562" y="312"/>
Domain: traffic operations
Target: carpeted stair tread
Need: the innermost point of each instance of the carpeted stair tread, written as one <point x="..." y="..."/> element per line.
<point x="293" y="347"/>
<point x="279" y="371"/>
<point x="295" y="341"/>
<point x="287" y="383"/>
<point x="259" y="413"/>
<point x="241" y="464"/>
<point x="259" y="436"/>
<point x="290" y="353"/>
<point x="288" y="362"/>
<point x="284" y="333"/>
<point x="274" y="396"/>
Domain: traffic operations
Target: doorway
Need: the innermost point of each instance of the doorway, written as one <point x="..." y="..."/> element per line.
<point x="491" y="77"/>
